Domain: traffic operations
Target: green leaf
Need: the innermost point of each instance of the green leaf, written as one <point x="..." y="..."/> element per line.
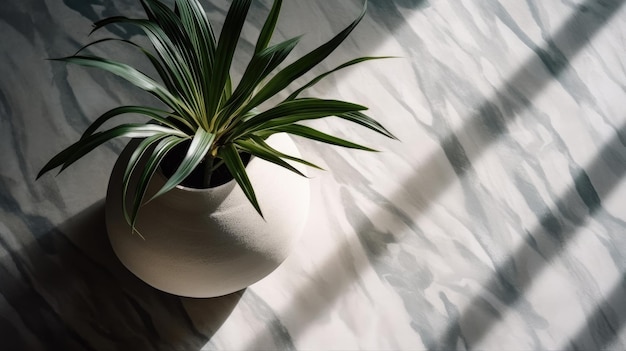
<point x="225" y="50"/>
<point x="199" y="147"/>
<point x="155" y="62"/>
<point x="313" y="134"/>
<point x="366" y="121"/>
<point x="179" y="54"/>
<point x="258" y="69"/>
<point x="226" y="94"/>
<point x="267" y="154"/>
<point x="260" y="140"/>
<point x="84" y="47"/>
<point x="133" y="161"/>
<point x="200" y="32"/>
<point x="268" y="28"/>
<point x="202" y="39"/>
<point x="176" y="62"/>
<point x="235" y="166"/>
<point x="323" y="75"/>
<point x="86" y="145"/>
<point x="295" y="70"/>
<point x="162" y="72"/>
<point x="151" y="112"/>
<point x="290" y="112"/>
<point x="228" y="90"/>
<point x="150" y="167"/>
<point x="133" y="76"/>
<point x="77" y="150"/>
<point x="137" y="154"/>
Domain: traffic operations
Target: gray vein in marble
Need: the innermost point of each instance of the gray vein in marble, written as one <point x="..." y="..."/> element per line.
<point x="281" y="337"/>
<point x="459" y="255"/>
<point x="577" y="31"/>
<point x="604" y="324"/>
<point x="561" y="233"/>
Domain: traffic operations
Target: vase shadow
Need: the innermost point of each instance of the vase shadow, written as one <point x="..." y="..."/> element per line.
<point x="73" y="293"/>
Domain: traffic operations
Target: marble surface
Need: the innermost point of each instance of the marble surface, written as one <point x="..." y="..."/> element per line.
<point x="498" y="222"/>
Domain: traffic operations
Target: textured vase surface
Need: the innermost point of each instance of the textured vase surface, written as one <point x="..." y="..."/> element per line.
<point x="210" y="242"/>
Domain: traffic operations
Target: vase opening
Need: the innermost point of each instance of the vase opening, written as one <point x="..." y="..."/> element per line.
<point x="221" y="175"/>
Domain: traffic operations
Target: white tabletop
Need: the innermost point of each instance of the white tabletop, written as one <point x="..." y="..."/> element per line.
<point x="497" y="222"/>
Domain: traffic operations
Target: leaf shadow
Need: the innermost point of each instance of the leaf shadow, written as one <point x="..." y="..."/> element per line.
<point x="487" y="125"/>
<point x="557" y="229"/>
<point x="604" y="324"/>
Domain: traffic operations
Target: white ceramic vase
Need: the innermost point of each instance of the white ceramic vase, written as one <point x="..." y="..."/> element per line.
<point x="210" y="242"/>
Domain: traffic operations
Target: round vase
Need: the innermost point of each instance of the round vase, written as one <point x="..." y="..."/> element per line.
<point x="210" y="242"/>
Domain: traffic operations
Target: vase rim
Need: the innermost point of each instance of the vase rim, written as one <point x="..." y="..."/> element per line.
<point x="182" y="188"/>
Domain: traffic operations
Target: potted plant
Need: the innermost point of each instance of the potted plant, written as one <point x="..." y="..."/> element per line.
<point x="193" y="164"/>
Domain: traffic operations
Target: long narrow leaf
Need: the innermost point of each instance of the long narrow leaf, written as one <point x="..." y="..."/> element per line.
<point x="366" y="121"/>
<point x="137" y="154"/>
<point x="179" y="51"/>
<point x="174" y="61"/>
<point x="266" y="154"/>
<point x="80" y="148"/>
<point x="154" y="113"/>
<point x="162" y="72"/>
<point x="260" y="140"/>
<point x="226" y="95"/>
<point x="297" y="110"/>
<point x="313" y="134"/>
<point x="104" y="40"/>
<point x="148" y="171"/>
<point x="200" y="32"/>
<point x="131" y="75"/>
<point x="292" y="72"/>
<point x="323" y="75"/>
<point x="199" y="147"/>
<point x="126" y="130"/>
<point x="225" y="51"/>
<point x="268" y="27"/>
<point x="235" y="166"/>
<point x="258" y="69"/>
<point x="132" y="165"/>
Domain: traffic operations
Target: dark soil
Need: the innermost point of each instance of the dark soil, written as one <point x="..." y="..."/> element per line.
<point x="172" y="160"/>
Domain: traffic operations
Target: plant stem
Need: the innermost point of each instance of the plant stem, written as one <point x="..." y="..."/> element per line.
<point x="208" y="170"/>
